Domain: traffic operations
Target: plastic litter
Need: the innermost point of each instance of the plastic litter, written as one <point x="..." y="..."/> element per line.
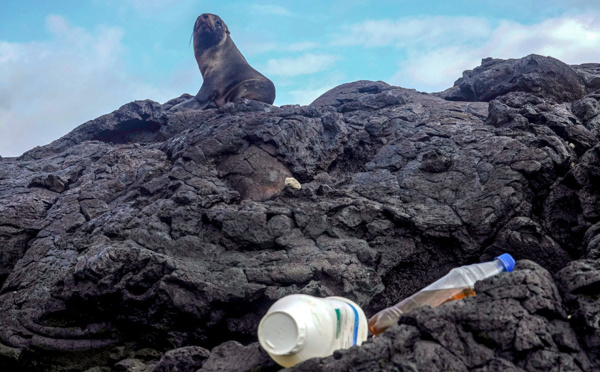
<point x="299" y="327"/>
<point x="457" y="284"/>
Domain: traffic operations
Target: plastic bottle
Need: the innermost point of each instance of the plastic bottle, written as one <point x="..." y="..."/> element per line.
<point x="299" y="327"/>
<point x="457" y="284"/>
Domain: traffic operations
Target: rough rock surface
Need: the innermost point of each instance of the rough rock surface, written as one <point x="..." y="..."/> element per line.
<point x="542" y="76"/>
<point x="147" y="240"/>
<point x="516" y="322"/>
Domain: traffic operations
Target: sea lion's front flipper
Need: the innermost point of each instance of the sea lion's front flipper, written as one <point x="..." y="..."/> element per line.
<point x="201" y="101"/>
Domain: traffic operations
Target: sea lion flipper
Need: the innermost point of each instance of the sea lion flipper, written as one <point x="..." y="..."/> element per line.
<point x="201" y="101"/>
<point x="190" y="104"/>
<point x="205" y="95"/>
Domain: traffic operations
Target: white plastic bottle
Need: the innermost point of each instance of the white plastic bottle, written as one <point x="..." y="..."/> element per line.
<point x="458" y="283"/>
<point x="299" y="327"/>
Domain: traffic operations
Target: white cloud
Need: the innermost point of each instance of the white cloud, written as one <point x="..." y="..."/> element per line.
<point x="252" y="47"/>
<point x="48" y="88"/>
<point x="302" y="46"/>
<point x="270" y="9"/>
<point x="434" y="66"/>
<point x="312" y="88"/>
<point x="570" y="39"/>
<point x="306" y="96"/>
<point x="306" y="64"/>
<point x="435" y="70"/>
<point x="408" y="32"/>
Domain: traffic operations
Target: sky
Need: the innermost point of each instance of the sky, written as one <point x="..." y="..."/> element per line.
<point x="64" y="62"/>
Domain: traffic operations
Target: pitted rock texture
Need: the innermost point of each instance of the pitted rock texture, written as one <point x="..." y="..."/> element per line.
<point x="545" y="77"/>
<point x="589" y="74"/>
<point x="580" y="283"/>
<point x="145" y="238"/>
<point x="516" y="322"/>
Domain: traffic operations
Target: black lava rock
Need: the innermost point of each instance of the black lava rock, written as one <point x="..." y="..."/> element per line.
<point x="149" y="240"/>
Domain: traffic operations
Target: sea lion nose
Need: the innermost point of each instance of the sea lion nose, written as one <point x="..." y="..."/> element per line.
<point x="205" y="16"/>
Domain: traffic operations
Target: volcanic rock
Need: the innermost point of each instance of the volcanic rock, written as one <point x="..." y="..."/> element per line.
<point x="545" y="77"/>
<point x="155" y="240"/>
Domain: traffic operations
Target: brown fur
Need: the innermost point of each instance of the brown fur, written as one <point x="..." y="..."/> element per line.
<point x="227" y="75"/>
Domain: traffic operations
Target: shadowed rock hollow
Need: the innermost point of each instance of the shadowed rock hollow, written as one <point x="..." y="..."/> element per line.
<point x="146" y="240"/>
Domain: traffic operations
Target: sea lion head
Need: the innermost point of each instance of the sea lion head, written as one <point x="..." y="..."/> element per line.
<point x="209" y="30"/>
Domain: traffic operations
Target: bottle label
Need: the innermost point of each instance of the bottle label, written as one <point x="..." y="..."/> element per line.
<point x="338" y="323"/>
<point x="346" y="333"/>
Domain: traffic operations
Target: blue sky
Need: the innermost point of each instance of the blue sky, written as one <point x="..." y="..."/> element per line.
<point x="65" y="62"/>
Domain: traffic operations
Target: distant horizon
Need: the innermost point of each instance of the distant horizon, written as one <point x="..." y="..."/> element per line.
<point x="62" y="65"/>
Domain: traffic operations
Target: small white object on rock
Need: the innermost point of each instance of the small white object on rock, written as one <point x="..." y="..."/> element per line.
<point x="293" y="183"/>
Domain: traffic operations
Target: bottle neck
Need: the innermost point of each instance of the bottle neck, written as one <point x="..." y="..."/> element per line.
<point x="500" y="265"/>
<point x="507" y="261"/>
<point x="484" y="270"/>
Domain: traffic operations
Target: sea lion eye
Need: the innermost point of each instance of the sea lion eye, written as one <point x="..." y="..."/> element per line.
<point x="218" y="23"/>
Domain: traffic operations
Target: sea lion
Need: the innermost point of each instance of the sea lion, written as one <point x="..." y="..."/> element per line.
<point x="227" y="75"/>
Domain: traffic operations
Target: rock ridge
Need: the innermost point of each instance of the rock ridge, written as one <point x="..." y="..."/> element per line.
<point x="152" y="240"/>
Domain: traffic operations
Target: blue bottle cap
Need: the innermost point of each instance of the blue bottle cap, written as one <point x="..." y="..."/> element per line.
<point x="507" y="261"/>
